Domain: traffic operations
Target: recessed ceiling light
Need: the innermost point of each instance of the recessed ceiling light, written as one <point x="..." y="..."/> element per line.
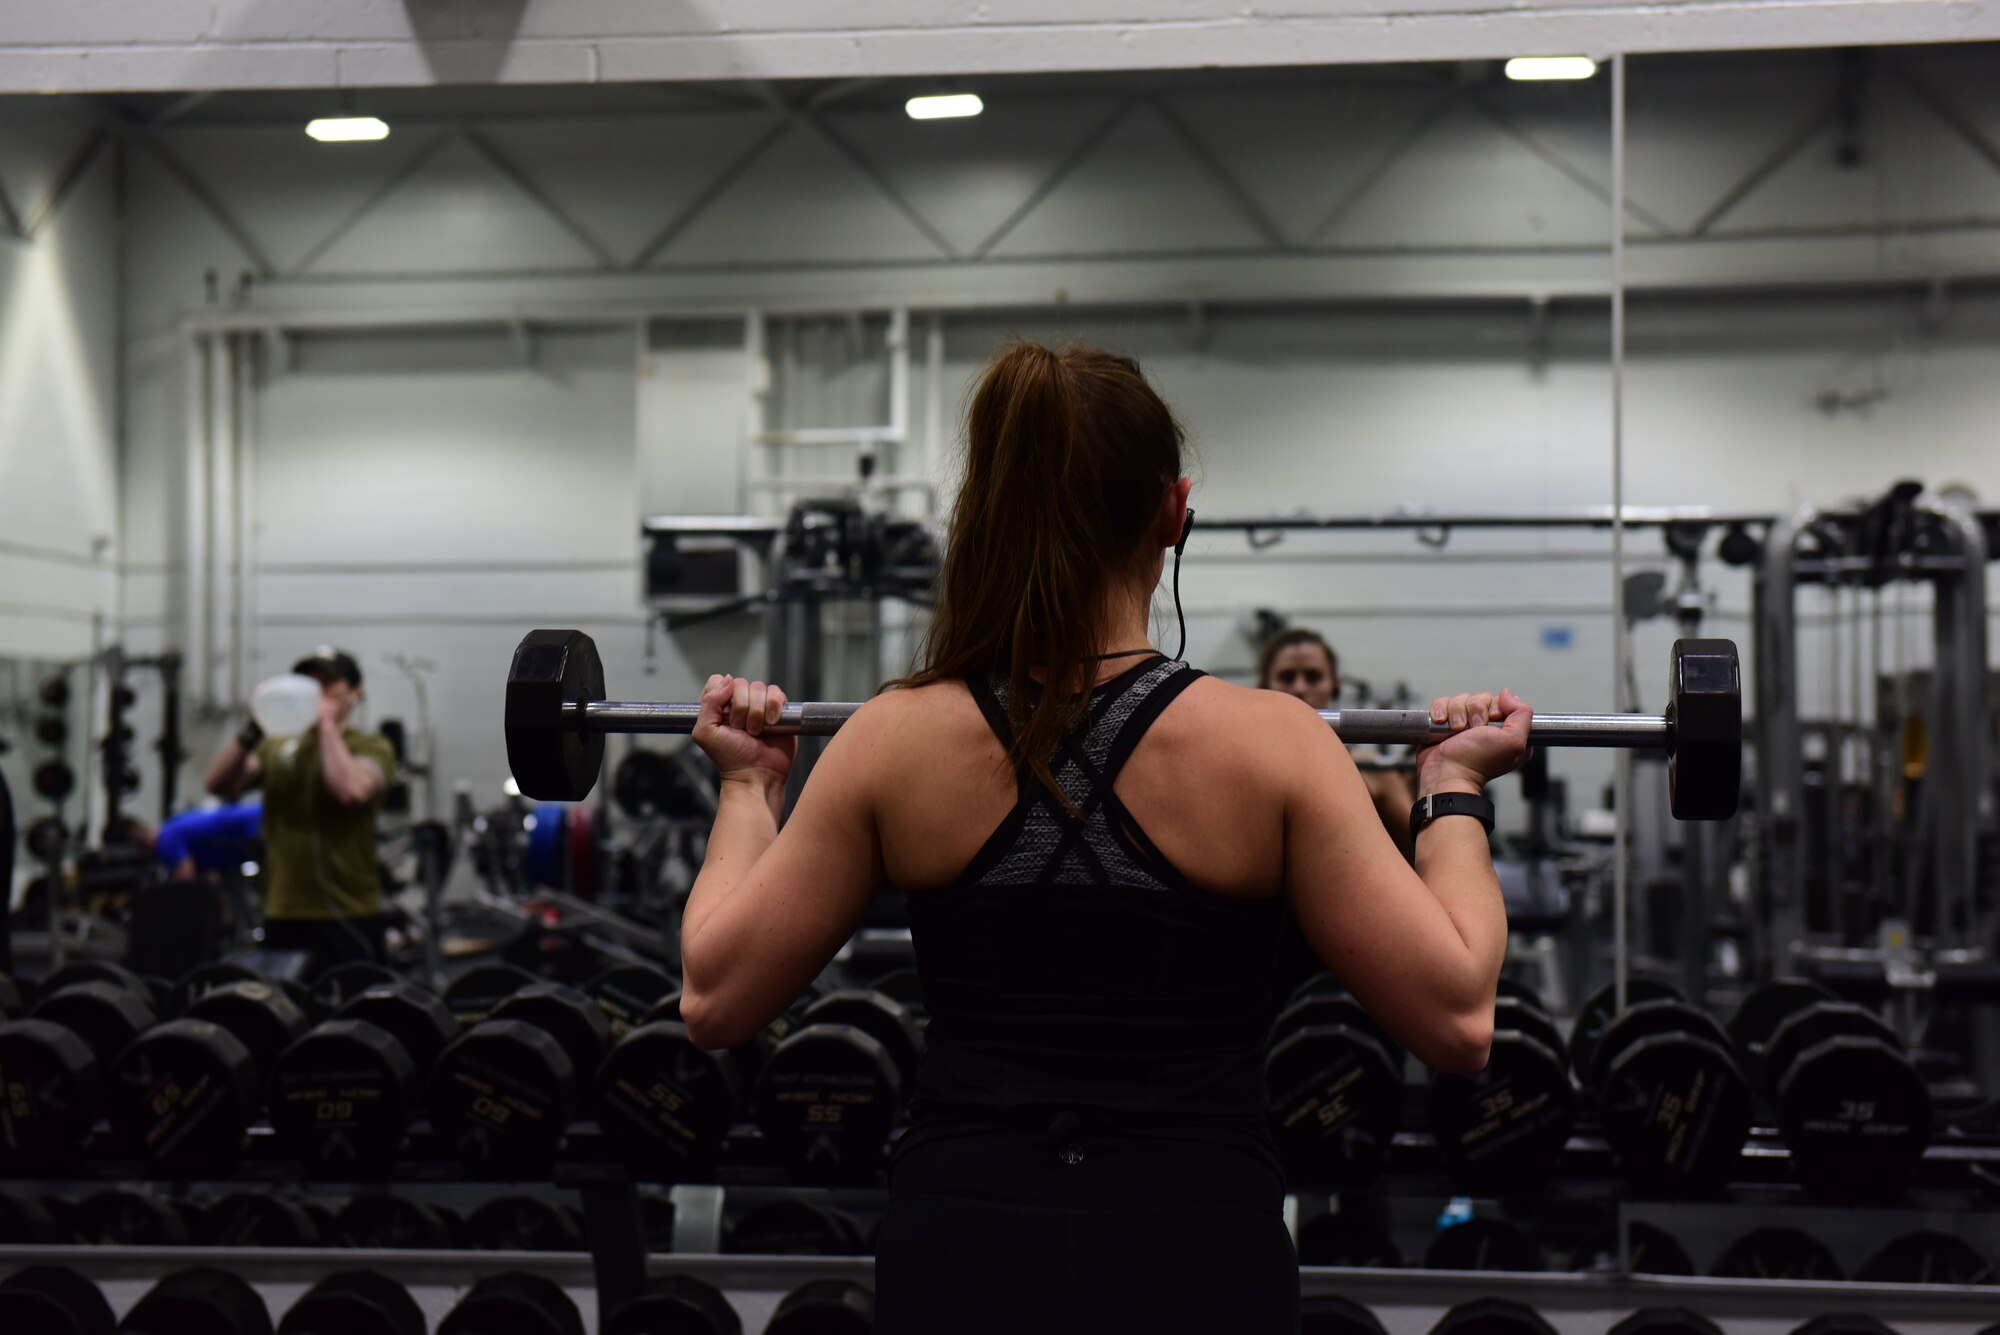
<point x="1551" y="67"/>
<point x="944" y="106"/>
<point x="347" y="129"/>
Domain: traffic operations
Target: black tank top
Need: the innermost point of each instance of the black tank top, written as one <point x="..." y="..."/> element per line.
<point x="1074" y="978"/>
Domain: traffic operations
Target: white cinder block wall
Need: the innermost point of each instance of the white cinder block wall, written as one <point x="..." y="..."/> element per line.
<point x="1345" y="324"/>
<point x="59" y="456"/>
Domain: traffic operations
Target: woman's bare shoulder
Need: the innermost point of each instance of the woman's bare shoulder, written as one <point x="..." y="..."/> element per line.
<point x="1271" y="713"/>
<point x="922" y="715"/>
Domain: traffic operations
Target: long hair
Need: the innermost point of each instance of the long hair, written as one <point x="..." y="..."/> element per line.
<point x="1068" y="456"/>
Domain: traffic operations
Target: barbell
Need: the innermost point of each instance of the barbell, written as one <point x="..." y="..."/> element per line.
<point x="557" y="719"/>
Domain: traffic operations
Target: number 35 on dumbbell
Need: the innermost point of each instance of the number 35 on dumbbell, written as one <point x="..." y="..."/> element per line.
<point x="557" y="719"/>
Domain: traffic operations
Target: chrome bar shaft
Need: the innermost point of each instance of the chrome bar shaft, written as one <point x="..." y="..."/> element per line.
<point x="1409" y="727"/>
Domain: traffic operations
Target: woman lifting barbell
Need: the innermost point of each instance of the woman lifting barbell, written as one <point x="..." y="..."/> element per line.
<point x="1097" y="841"/>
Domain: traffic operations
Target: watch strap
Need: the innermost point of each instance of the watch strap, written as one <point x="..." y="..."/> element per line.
<point x="1428" y="809"/>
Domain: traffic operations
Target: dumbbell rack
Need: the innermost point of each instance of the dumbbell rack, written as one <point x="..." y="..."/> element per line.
<point x="619" y="1259"/>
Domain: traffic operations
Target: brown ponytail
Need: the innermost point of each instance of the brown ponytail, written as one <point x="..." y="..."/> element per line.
<point x="1068" y="456"/>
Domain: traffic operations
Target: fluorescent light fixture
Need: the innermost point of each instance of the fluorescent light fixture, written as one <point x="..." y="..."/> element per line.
<point x="347" y="129"/>
<point x="1551" y="67"/>
<point x="944" y="106"/>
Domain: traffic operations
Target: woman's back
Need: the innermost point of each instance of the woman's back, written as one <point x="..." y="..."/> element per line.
<point x="1106" y="973"/>
<point x="1071" y="968"/>
<point x="1199" y="782"/>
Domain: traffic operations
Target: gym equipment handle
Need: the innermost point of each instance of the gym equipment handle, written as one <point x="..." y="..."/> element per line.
<point x="1391" y="726"/>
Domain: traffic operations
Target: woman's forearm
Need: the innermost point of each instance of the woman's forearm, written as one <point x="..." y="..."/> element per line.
<point x="1455" y="862"/>
<point x="746" y="821"/>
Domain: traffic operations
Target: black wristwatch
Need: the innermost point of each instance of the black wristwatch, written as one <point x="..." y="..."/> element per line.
<point x="1430" y="808"/>
<point x="250" y="736"/>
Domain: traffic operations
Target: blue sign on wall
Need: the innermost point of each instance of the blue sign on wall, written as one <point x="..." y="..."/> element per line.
<point x="1558" y="637"/>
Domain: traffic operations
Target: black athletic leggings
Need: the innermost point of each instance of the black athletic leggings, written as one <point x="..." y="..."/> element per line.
<point x="992" y="1233"/>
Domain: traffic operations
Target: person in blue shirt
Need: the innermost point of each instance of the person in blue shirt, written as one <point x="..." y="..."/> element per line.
<point x="209" y="839"/>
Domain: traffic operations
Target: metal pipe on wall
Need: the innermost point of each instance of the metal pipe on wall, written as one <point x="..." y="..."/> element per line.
<point x="1622" y="762"/>
<point x="195" y="455"/>
<point x="243" y="648"/>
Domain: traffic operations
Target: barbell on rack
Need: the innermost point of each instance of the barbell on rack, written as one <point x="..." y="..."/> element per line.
<point x="557" y="719"/>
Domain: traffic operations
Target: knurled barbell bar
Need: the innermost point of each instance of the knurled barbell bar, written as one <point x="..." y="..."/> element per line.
<point x="557" y="718"/>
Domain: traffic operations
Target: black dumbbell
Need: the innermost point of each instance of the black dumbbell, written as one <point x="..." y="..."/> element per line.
<point x="52" y="1300"/>
<point x="1927" y="1258"/>
<point x="795" y="1228"/>
<point x="160" y="995"/>
<point x="25" y="1221"/>
<point x="1666" y="1321"/>
<point x="476" y="993"/>
<point x="828" y="1095"/>
<point x="681" y="1304"/>
<point x="202" y="979"/>
<point x="627" y="994"/>
<point x="1492" y="1316"/>
<point x="354" y="1302"/>
<point x="57" y="1064"/>
<point x="1502" y="1130"/>
<point x="397" y="1223"/>
<point x="106" y="1016"/>
<point x="259" y="1219"/>
<point x="1845" y="1323"/>
<point x="342" y="1095"/>
<point x="1483" y="1244"/>
<point x="503" y="1092"/>
<point x="1334" y="1080"/>
<point x="262" y="1015"/>
<point x="183" y="1095"/>
<point x="1676" y="1109"/>
<point x="1759" y="1014"/>
<point x="516" y="1302"/>
<point x="906" y="986"/>
<point x="1330" y="1314"/>
<point x="1777" y="1253"/>
<point x="751" y="1054"/>
<point x="127" y="1219"/>
<point x="54" y="1065"/>
<point x="1853" y="1109"/>
<point x="825" y="1307"/>
<point x="524" y="1224"/>
<point x="335" y="987"/>
<point x="1654" y="1251"/>
<point x="50" y="1091"/>
<point x="664" y="1105"/>
<point x="211" y="1301"/>
<point x="1600" y="1008"/>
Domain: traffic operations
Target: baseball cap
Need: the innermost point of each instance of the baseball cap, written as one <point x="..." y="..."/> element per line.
<point x="327" y="663"/>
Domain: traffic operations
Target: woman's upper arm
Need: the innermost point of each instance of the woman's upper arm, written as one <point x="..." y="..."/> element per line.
<point x="808" y="891"/>
<point x="1362" y="908"/>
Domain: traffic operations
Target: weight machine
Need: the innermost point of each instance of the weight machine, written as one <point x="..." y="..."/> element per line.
<point x="1870" y="859"/>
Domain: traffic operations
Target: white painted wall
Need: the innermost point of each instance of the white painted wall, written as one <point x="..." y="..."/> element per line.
<point x="101" y="45"/>
<point x="59" y="547"/>
<point x="1284" y="410"/>
<point x="419" y="486"/>
<point x="58" y="378"/>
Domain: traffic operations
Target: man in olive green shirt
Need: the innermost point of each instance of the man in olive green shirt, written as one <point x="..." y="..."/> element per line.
<point x="322" y="789"/>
